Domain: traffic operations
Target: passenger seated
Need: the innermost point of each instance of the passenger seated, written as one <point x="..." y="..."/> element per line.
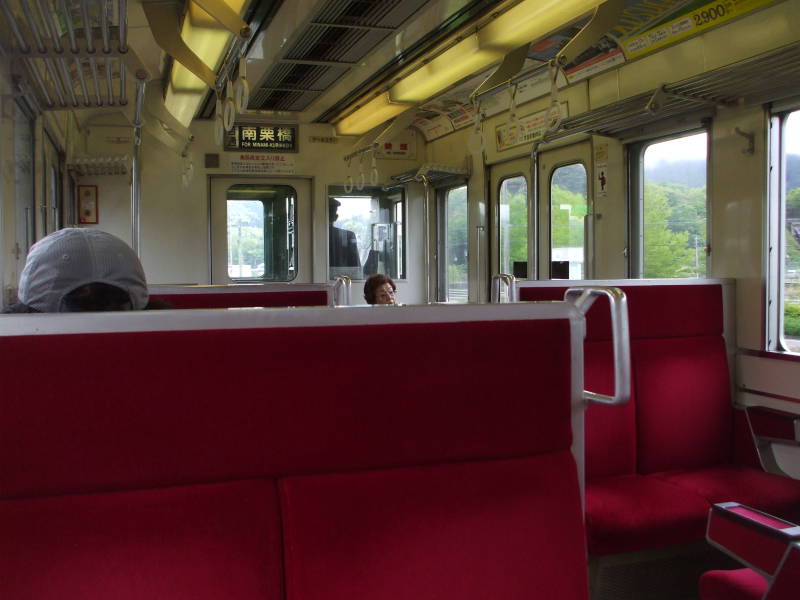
<point x="379" y="289"/>
<point x="81" y="270"/>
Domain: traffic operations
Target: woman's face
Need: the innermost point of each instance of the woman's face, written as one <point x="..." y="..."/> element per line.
<point x="384" y="294"/>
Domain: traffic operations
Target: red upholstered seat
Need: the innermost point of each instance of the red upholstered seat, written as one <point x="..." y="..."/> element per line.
<point x="610" y="434"/>
<point x="739" y="584"/>
<point x="327" y="469"/>
<point x="203" y="542"/>
<point x="201" y="428"/>
<point x="244" y="299"/>
<point x="770" y="546"/>
<point x="631" y="512"/>
<point x="684" y="416"/>
<point x="469" y="531"/>
<point x="763" y="491"/>
<point x="678" y="428"/>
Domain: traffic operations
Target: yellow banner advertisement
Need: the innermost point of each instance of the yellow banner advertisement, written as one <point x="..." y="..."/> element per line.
<point x="688" y="24"/>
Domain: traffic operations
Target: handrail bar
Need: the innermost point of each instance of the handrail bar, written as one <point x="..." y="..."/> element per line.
<point x="341" y="291"/>
<point x="583" y="297"/>
<point x="511" y="287"/>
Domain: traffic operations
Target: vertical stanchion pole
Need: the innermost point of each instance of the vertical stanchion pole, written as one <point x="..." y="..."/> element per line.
<point x="136" y="167"/>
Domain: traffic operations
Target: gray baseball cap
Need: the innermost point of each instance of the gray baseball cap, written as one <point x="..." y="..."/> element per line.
<point x="70" y="258"/>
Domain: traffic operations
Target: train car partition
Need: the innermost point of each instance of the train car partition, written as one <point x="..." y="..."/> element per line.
<point x="293" y="453"/>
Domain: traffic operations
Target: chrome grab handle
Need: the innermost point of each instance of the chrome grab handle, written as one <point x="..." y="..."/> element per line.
<point x="341" y="291"/>
<point x="511" y="287"/>
<point x="583" y="298"/>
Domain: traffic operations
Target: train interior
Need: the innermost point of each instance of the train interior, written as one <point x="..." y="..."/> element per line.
<point x="263" y="158"/>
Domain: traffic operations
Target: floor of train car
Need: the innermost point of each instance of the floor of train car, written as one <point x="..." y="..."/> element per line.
<point x="663" y="574"/>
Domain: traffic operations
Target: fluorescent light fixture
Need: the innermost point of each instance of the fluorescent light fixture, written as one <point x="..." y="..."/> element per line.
<point x="527" y="22"/>
<point x="373" y="113"/>
<point x="452" y="65"/>
<point x="208" y="40"/>
<point x="531" y="20"/>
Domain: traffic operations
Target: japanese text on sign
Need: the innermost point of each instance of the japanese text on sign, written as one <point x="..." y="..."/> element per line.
<point x="265" y="138"/>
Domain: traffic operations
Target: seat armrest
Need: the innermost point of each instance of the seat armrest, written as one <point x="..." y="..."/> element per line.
<point x="773" y="424"/>
<point x="752" y="537"/>
<point x="768" y="427"/>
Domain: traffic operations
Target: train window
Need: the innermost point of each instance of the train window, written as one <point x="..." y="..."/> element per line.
<point x="261" y="232"/>
<point x="568" y="207"/>
<point x="366" y="232"/>
<point x="672" y="208"/>
<point x="785" y="235"/>
<point x="23" y="179"/>
<point x="513" y="224"/>
<point x="51" y="207"/>
<point x="453" y="245"/>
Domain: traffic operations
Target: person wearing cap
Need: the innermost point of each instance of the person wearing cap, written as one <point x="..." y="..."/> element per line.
<point x="80" y="270"/>
<point x="342" y="244"/>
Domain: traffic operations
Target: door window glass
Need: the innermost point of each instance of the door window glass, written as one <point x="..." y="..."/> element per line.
<point x="568" y="210"/>
<point x="513" y="226"/>
<point x="261" y="232"/>
<point x="454" y="272"/>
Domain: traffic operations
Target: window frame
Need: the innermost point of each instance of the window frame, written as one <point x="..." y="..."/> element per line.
<point x="635" y="160"/>
<point x="774" y="339"/>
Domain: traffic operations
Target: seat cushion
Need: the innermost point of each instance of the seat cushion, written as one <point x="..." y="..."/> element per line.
<point x="739" y="584"/>
<point x="683" y="403"/>
<point x="635" y="512"/>
<point x="197" y="542"/>
<point x="181" y="422"/>
<point x="499" y="529"/>
<point x="610" y="430"/>
<point x="773" y="494"/>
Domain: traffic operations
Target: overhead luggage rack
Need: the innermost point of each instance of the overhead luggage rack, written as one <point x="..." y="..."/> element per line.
<point x="750" y="81"/>
<point x="100" y="164"/>
<point x="433" y="172"/>
<point x="74" y="53"/>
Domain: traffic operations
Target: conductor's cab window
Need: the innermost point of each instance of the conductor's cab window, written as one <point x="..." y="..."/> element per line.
<point x="366" y="232"/>
<point x="261" y="232"/>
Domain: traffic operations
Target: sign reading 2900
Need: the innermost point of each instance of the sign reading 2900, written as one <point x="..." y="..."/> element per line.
<point x="264" y="138"/>
<point x="710" y="14"/>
